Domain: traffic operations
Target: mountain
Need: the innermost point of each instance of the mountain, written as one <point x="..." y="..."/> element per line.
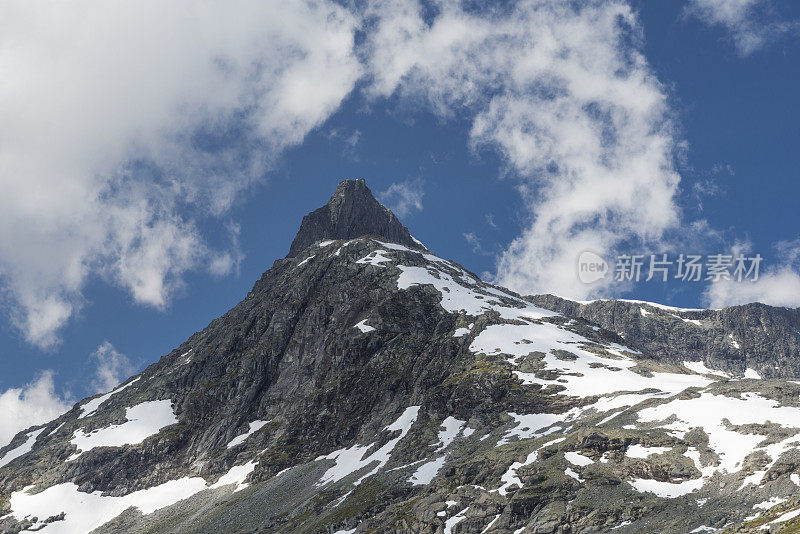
<point x="366" y="385"/>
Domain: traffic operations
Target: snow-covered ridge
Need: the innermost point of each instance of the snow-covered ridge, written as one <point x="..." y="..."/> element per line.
<point x="608" y="375"/>
<point x="647" y="303"/>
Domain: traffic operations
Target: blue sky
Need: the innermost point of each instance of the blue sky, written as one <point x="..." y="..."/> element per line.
<point x="192" y="184"/>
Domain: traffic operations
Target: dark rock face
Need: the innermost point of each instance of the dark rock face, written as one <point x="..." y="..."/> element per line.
<point x="351" y="212"/>
<point x="754" y="336"/>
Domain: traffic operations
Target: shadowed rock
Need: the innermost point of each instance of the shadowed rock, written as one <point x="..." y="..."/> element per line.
<point x="351" y="212"/>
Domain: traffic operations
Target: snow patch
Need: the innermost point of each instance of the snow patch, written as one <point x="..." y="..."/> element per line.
<point x="509" y="478"/>
<point x="453" y="521"/>
<point x="460" y="332"/>
<point x="766" y="505"/>
<point x="752" y="373"/>
<point x="143" y="420"/>
<point x="255" y="426"/>
<point x="589" y="373"/>
<point x="639" y="451"/>
<point x="714" y="414"/>
<point x="570" y="473"/>
<point x="576" y="458"/>
<point x="451" y="429"/>
<point x="700" y="368"/>
<point x="306" y="260"/>
<point x="84" y="512"/>
<point x="376" y="258"/>
<point x="22" y="450"/>
<point x="653" y="304"/>
<point x="492" y="522"/>
<point x="363" y="326"/>
<point x="668" y="490"/>
<point x="685" y="320"/>
<point x="457" y="295"/>
<point x="425" y="473"/>
<point x="236" y="475"/>
<point x="418" y="242"/>
<point x="786" y="517"/>
<point x="533" y="425"/>
<point x="91" y="406"/>
<point x="352" y="459"/>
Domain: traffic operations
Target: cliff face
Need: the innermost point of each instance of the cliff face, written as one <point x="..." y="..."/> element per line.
<point x="351" y="212"/>
<point x="366" y="385"/>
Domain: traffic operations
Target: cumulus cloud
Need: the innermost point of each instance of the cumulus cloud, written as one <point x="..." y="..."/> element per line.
<point x="125" y="125"/>
<point x="33" y="404"/>
<point x="404" y="197"/>
<point x="778" y="285"/>
<point x="751" y="24"/>
<point x="562" y="91"/>
<point x="112" y="368"/>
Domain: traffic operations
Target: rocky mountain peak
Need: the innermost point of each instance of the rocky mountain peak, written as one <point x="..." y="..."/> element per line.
<point x="368" y="386"/>
<point x="351" y="212"/>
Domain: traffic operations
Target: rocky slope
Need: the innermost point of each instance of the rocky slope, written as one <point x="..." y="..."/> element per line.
<point x="366" y="385"/>
<point x="754" y="336"/>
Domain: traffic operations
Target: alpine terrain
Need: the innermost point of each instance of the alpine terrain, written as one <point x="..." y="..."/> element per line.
<point x="366" y="385"/>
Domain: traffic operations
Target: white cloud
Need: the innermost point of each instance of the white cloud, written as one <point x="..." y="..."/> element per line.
<point x="565" y="95"/>
<point x="474" y="242"/>
<point x="778" y="285"/>
<point x="750" y="23"/>
<point x="33" y="404"/>
<point x="112" y="368"/>
<point x="128" y="126"/>
<point x="404" y="197"/>
<point x="125" y="125"/>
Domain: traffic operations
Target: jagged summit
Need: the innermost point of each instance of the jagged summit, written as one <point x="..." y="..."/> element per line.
<point x="351" y="212"/>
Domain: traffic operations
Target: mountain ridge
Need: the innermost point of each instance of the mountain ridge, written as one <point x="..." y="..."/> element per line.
<point x="369" y="386"/>
<point x="756" y="336"/>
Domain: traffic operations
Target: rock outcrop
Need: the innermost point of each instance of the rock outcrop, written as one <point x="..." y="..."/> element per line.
<point x="351" y="212"/>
